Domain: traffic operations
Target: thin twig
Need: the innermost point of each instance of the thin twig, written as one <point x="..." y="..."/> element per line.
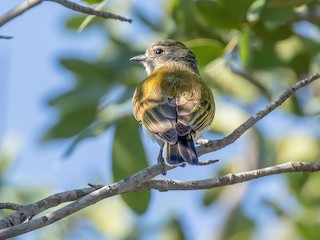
<point x="90" y="11"/>
<point x="5" y="37"/>
<point x="230" y="179"/>
<point x="18" y="10"/>
<point x="27" y="4"/>
<point x="214" y="145"/>
<point x="11" y="206"/>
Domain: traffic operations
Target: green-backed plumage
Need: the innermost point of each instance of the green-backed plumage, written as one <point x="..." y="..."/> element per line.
<point x="175" y="105"/>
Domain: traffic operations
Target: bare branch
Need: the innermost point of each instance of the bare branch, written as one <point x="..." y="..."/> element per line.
<point x="11" y="206"/>
<point x="230" y="179"/>
<point x="18" y="10"/>
<point x="27" y="4"/>
<point x="5" y="37"/>
<point x="214" y="145"/>
<point x="11" y="225"/>
<point x="25" y="212"/>
<point x="21" y="221"/>
<point x="90" y="11"/>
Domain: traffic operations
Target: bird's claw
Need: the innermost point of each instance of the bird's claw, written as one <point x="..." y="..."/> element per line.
<point x="163" y="165"/>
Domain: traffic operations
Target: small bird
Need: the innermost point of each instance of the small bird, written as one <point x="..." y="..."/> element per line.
<point x="173" y="103"/>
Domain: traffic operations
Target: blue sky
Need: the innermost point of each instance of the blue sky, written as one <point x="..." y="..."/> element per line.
<point x="31" y="74"/>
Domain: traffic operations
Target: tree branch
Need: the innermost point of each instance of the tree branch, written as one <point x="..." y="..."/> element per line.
<point x="5" y="37"/>
<point x="18" y="10"/>
<point x="22" y="218"/>
<point x="27" y="4"/>
<point x="230" y="179"/>
<point x="214" y="145"/>
<point x="90" y="11"/>
<point x="21" y="221"/>
<point x="11" y="206"/>
<point x="139" y="181"/>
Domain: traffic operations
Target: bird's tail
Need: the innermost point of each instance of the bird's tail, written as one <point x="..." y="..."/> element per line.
<point x="181" y="152"/>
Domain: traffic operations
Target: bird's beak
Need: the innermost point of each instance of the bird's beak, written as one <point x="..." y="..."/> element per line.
<point x="140" y="58"/>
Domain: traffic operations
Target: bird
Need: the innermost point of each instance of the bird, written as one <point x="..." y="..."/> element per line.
<point x="174" y="104"/>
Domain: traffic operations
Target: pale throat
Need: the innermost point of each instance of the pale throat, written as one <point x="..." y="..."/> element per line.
<point x="189" y="65"/>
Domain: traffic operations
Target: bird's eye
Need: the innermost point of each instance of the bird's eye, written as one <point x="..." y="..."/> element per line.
<point x="158" y="51"/>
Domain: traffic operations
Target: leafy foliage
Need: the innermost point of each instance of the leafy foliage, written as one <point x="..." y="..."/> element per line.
<point x="128" y="158"/>
<point x="249" y="51"/>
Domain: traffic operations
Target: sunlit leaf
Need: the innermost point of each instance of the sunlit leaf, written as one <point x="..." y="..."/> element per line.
<point x="76" y="21"/>
<point x="92" y="1"/>
<point x="228" y="117"/>
<point x="254" y="11"/>
<point x="286" y="3"/>
<point x="298" y="147"/>
<point x="89" y="18"/>
<point x="244" y="47"/>
<point x="230" y="82"/>
<point x="118" y="221"/>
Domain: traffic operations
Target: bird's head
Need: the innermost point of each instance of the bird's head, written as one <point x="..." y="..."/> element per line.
<point x="165" y="52"/>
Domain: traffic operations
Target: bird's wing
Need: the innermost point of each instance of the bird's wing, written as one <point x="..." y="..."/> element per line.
<point x="195" y="113"/>
<point x="172" y="104"/>
<point x="153" y="108"/>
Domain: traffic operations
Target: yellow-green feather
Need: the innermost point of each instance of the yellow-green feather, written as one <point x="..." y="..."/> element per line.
<point x="192" y="103"/>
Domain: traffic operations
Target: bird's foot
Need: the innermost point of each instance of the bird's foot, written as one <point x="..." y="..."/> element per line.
<point x="163" y="165"/>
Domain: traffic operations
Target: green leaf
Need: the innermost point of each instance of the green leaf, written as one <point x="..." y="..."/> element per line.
<point x="92" y="1"/>
<point x="181" y="12"/>
<point x="87" y="71"/>
<point x="240" y="226"/>
<point x="244" y="47"/>
<point x="128" y="157"/>
<point x="210" y="196"/>
<point x="286" y="3"/>
<point x="226" y="14"/>
<point x="94" y="130"/>
<point x="75" y="22"/>
<point x="85" y="95"/>
<point x="266" y="57"/>
<point x="71" y="123"/>
<point x="205" y="49"/>
<point x="255" y="9"/>
<point x="277" y="15"/>
<point x="173" y="230"/>
<point x="300" y="63"/>
<point x="107" y="116"/>
<point x="263" y="33"/>
<point x="90" y="18"/>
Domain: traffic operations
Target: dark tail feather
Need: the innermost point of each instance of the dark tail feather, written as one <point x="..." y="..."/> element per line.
<point x="187" y="149"/>
<point x="172" y="156"/>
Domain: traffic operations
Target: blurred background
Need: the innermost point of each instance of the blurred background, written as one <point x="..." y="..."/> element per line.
<point x="65" y="116"/>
